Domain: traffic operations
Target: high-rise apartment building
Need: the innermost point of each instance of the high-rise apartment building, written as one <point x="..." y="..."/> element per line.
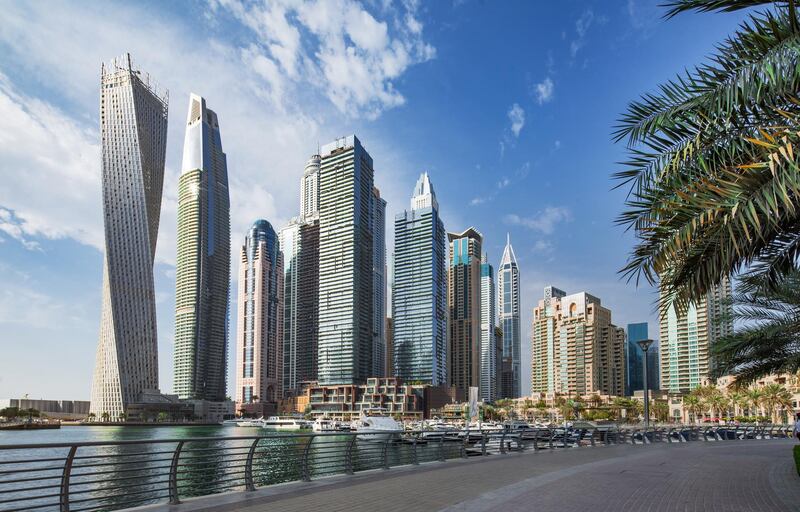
<point x="508" y="310"/>
<point x="202" y="270"/>
<point x="299" y="242"/>
<point x="378" y="222"/>
<point x="464" y="303"/>
<point x="133" y="135"/>
<point x="419" y="290"/>
<point x="346" y="302"/>
<point x="488" y="388"/>
<point x="259" y="339"/>
<point x="634" y="358"/>
<point x="575" y="347"/>
<point x="686" y="336"/>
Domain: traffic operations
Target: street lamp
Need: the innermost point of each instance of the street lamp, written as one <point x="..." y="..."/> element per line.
<point x="645" y="345"/>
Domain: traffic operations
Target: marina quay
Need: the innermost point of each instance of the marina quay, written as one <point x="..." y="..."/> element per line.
<point x="400" y="256"/>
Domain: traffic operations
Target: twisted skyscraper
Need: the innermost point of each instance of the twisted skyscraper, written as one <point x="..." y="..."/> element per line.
<point x="202" y="272"/>
<point x="133" y="134"/>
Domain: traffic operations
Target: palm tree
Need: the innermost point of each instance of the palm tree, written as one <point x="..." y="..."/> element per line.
<point x="775" y="399"/>
<point x="694" y="405"/>
<point x="739" y="401"/>
<point x="755" y="396"/>
<point x="718" y="403"/>
<point x="714" y="178"/>
<point x="769" y="341"/>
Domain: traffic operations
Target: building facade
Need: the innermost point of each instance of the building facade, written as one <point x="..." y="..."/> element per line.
<point x="686" y="336"/>
<point x="202" y="270"/>
<point x="419" y="290"/>
<point x="133" y="134"/>
<point x="634" y="358"/>
<point x="488" y="389"/>
<point x="464" y="304"/>
<point x="346" y="302"/>
<point x="259" y="339"/>
<point x="508" y="310"/>
<point x="576" y="349"/>
<point x="378" y="222"/>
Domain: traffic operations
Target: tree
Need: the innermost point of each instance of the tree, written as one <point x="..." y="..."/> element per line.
<point x="739" y="401"/>
<point x="775" y="398"/>
<point x="659" y="410"/>
<point x="105" y="416"/>
<point x="754" y="395"/>
<point x="713" y="176"/>
<point x="162" y="417"/>
<point x="122" y="417"/>
<point x="10" y="412"/>
<point x="769" y="340"/>
<point x="693" y="404"/>
<point x="92" y="416"/>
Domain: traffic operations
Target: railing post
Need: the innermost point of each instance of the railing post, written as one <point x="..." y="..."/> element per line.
<point x="503" y="442"/>
<point x="552" y="436"/>
<point x="591" y="436"/>
<point x="306" y="466"/>
<point x="483" y="443"/>
<point x="64" y="494"/>
<point x="464" y="444"/>
<point x="385" y="453"/>
<point x="348" y="456"/>
<point x="249" y="483"/>
<point x="441" y="448"/>
<point x="536" y="439"/>
<point x="414" y="459"/>
<point x="564" y="442"/>
<point x="173" y="475"/>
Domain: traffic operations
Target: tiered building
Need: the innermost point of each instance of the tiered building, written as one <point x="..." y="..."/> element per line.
<point x="133" y="134"/>
<point x="464" y="303"/>
<point x="202" y="270"/>
<point x="508" y="309"/>
<point x="575" y="347"/>
<point x="489" y="386"/>
<point x="686" y="336"/>
<point x="419" y="291"/>
<point x="259" y="340"/>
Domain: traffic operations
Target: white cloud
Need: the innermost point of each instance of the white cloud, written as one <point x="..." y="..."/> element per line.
<point x="517" y="117"/>
<point x="542" y="247"/>
<point x="557" y="145"/>
<point x="477" y="200"/>
<point x="582" y="26"/>
<point x="544" y="91"/>
<point x="503" y="183"/>
<point x="544" y="221"/>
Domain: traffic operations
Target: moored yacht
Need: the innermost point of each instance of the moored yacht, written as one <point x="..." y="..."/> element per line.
<point x="376" y="425"/>
<point x="285" y="423"/>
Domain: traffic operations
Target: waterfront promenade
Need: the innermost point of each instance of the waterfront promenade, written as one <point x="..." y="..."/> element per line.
<point x="725" y="476"/>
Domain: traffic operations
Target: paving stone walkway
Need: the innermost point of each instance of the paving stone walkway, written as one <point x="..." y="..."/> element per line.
<point x="752" y="476"/>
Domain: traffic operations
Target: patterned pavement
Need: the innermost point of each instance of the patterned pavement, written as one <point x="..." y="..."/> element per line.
<point x="736" y="476"/>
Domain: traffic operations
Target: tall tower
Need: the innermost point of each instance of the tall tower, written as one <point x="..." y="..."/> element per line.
<point x="202" y="271"/>
<point x="133" y="134"/>
<point x="346" y="302"/>
<point x="686" y="336"/>
<point x="299" y="243"/>
<point x="419" y="290"/>
<point x="508" y="308"/>
<point x="378" y="284"/>
<point x="464" y="303"/>
<point x="259" y="339"/>
<point x="488" y="381"/>
<point x="575" y="347"/>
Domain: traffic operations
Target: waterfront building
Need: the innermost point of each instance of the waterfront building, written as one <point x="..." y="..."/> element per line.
<point x="464" y="303"/>
<point x="133" y="135"/>
<point x="202" y="270"/>
<point x="419" y="290"/>
<point x="686" y="336"/>
<point x="259" y="339"/>
<point x="508" y="310"/>
<point x="378" y="222"/>
<point x="575" y="347"/>
<point x="488" y="389"/>
<point x="654" y="366"/>
<point x="634" y="358"/>
<point x="57" y="409"/>
<point x="346" y="301"/>
<point x="299" y="242"/>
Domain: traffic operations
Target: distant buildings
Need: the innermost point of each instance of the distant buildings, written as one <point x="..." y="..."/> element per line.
<point x="133" y="134"/>
<point x="464" y="302"/>
<point x="488" y="388"/>
<point x="58" y="409"/>
<point x="202" y="270"/>
<point x="686" y="336"/>
<point x="508" y="309"/>
<point x="299" y="242"/>
<point x="419" y="291"/>
<point x="575" y="347"/>
<point x="346" y="264"/>
<point x="259" y="340"/>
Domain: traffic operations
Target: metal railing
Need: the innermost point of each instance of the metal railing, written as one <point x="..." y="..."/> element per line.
<point x="114" y="475"/>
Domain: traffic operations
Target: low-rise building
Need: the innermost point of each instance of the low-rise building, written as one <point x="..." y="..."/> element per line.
<point x="58" y="409"/>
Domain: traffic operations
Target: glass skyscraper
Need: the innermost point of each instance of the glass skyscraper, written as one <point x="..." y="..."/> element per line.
<point x="133" y="135"/>
<point x="488" y="382"/>
<point x="464" y="303"/>
<point x="634" y="358"/>
<point x="419" y="290"/>
<point x="346" y="259"/>
<point x="508" y="309"/>
<point x="202" y="270"/>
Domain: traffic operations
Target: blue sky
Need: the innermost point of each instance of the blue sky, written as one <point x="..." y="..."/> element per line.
<point x="508" y="106"/>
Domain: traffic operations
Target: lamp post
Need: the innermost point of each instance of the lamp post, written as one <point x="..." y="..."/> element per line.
<point x="645" y="345"/>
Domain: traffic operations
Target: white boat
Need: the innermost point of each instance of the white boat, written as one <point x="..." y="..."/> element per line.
<point x="231" y="423"/>
<point x="376" y="425"/>
<point x="257" y="422"/>
<point x="323" y="424"/>
<point x="285" y="423"/>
